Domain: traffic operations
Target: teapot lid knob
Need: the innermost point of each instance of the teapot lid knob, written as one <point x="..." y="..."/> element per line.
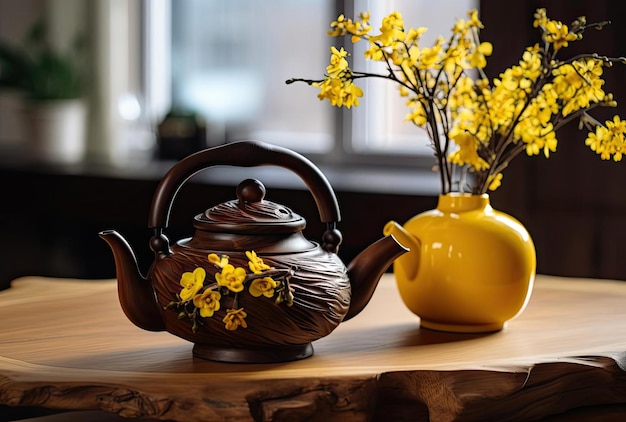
<point x="250" y="190"/>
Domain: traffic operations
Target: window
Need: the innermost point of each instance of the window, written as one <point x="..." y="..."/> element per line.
<point x="229" y="61"/>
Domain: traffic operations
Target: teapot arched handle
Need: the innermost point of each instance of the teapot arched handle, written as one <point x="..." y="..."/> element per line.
<point x="244" y="154"/>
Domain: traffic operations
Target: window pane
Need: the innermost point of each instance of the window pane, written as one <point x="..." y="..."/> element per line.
<point x="230" y="60"/>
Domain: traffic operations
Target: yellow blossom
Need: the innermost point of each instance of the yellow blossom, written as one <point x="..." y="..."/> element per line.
<point x="374" y="53"/>
<point x="192" y="282"/>
<point x="340" y="93"/>
<point x="351" y="94"/>
<point x="343" y="26"/>
<point x="255" y="263"/>
<point x="234" y="319"/>
<point x="467" y="152"/>
<point x="540" y="18"/>
<point x="430" y="57"/>
<point x="338" y="63"/>
<point x="414" y="34"/>
<point x="417" y="114"/>
<point x="558" y="34"/>
<point x="208" y="302"/>
<point x="494" y="181"/>
<point x="219" y="261"/>
<point x="478" y="58"/>
<point x="231" y="278"/>
<point x="608" y="140"/>
<point x="263" y="286"/>
<point x="473" y="19"/>
<point x="339" y="26"/>
<point x="391" y="30"/>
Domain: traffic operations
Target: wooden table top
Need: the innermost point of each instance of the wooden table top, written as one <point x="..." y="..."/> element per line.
<point x="66" y="344"/>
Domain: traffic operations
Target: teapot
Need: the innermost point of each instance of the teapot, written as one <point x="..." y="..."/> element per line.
<point x="248" y="286"/>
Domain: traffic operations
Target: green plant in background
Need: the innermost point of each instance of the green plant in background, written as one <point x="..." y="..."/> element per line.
<point x="39" y="71"/>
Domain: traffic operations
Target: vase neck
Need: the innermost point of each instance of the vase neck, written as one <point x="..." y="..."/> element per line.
<point x="461" y="202"/>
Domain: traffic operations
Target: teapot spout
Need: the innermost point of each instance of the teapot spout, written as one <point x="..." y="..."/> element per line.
<point x="367" y="268"/>
<point x="135" y="293"/>
<point x="409" y="263"/>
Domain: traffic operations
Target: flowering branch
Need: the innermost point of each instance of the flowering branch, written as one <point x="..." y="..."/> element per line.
<point x="474" y="123"/>
<point x="199" y="298"/>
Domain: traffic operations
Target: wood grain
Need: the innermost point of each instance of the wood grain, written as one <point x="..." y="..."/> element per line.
<point x="65" y="344"/>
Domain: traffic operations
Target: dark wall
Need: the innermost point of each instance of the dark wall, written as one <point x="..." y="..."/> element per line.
<point x="573" y="203"/>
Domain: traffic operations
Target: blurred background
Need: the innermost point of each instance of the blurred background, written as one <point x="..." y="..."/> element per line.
<point x="223" y="63"/>
<point x="153" y="80"/>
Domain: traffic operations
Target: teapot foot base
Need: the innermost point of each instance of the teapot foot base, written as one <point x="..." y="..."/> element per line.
<point x="270" y="355"/>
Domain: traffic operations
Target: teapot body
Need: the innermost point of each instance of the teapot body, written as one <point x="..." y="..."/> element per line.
<point x="310" y="298"/>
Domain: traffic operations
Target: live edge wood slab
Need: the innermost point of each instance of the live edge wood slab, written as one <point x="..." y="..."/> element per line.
<point x="65" y="344"/>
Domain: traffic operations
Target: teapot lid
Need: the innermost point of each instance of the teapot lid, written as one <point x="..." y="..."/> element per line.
<point x="250" y="213"/>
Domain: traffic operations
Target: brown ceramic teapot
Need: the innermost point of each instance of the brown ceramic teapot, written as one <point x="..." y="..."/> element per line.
<point x="248" y="286"/>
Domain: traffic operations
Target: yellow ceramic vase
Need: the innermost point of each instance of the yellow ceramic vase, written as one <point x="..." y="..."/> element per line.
<point x="470" y="269"/>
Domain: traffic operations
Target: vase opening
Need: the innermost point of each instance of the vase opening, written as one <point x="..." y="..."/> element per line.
<point x="461" y="202"/>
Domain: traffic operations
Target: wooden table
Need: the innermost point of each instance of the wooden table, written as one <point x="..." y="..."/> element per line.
<point x="65" y="344"/>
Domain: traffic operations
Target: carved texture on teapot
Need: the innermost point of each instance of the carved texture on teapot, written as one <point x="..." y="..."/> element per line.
<point x="314" y="282"/>
<point x="263" y="211"/>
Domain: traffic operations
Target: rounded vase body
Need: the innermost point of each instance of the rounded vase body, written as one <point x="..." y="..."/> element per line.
<point x="474" y="268"/>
